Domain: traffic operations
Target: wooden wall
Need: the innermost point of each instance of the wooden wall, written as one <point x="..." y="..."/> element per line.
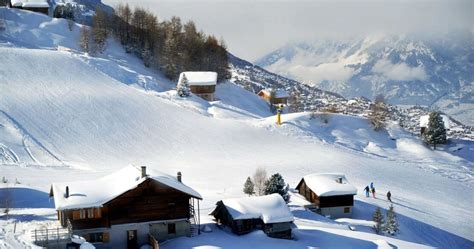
<point x="324" y="201"/>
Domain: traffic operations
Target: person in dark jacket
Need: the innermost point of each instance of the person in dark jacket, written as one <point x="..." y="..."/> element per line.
<point x="389" y="196"/>
<point x="373" y="192"/>
<point x="366" y="190"/>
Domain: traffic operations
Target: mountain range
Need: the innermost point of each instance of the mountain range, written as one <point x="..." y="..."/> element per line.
<point x="407" y="69"/>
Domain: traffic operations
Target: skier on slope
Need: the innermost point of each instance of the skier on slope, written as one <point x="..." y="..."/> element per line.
<point x="366" y="190"/>
<point x="389" y="196"/>
<point x="372" y="189"/>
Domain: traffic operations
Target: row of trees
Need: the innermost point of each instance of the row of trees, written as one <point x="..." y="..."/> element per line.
<point x="169" y="45"/>
<point x="94" y="40"/>
<point x="260" y="184"/>
<point x="382" y="225"/>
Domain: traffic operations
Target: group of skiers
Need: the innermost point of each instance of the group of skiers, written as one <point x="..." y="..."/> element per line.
<point x="371" y="189"/>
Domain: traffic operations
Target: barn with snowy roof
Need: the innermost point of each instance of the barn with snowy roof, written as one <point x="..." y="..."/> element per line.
<point x="128" y="207"/>
<point x="41" y="6"/>
<point x="202" y="84"/>
<point x="329" y="194"/>
<point x="269" y="213"/>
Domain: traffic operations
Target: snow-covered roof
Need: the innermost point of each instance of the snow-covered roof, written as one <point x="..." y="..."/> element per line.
<point x="270" y="208"/>
<point x="278" y="93"/>
<point x="200" y="78"/>
<point x="96" y="192"/>
<point x="424" y="120"/>
<point x="30" y="3"/>
<point x="326" y="184"/>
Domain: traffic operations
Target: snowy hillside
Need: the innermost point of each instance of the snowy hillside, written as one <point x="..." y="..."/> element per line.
<point x="67" y="116"/>
<point x="406" y="69"/>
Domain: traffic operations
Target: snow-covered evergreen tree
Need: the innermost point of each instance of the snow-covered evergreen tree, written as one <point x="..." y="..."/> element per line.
<point x="249" y="187"/>
<point x="391" y="224"/>
<point x="183" y="87"/>
<point x="276" y="184"/>
<point x="378" y="219"/>
<point x="436" y="132"/>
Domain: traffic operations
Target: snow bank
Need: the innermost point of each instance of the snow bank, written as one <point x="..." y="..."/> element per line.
<point x="96" y="192"/>
<point x="270" y="208"/>
<point x="326" y="184"/>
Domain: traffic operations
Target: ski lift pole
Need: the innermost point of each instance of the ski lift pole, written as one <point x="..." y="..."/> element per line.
<point x="279" y="111"/>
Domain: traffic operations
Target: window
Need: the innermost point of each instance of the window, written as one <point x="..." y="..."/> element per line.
<point x="347" y="210"/>
<point x="82" y="214"/>
<point x="90" y="213"/>
<point x="96" y="237"/>
<point x="171" y="228"/>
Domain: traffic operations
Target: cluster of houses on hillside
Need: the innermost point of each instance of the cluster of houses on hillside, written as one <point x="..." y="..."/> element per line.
<point x="136" y="206"/>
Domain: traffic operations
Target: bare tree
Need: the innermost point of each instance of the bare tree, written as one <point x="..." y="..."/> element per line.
<point x="259" y="179"/>
<point x="84" y="39"/>
<point x="378" y="113"/>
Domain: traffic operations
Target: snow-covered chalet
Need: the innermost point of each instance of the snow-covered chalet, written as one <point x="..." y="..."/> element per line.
<point x="328" y="194"/>
<point x="202" y="84"/>
<point x="41" y="6"/>
<point x="269" y="213"/>
<point x="128" y="208"/>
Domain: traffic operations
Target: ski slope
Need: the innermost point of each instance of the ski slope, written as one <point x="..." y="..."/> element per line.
<point x="66" y="115"/>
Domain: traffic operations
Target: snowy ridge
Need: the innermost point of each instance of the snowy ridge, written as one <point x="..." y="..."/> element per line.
<point x="407" y="69"/>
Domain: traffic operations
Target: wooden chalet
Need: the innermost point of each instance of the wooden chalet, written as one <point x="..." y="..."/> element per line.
<point x="128" y="208"/>
<point x="274" y="97"/>
<point x="202" y="84"/>
<point x="40" y="6"/>
<point x="269" y="213"/>
<point x="329" y="194"/>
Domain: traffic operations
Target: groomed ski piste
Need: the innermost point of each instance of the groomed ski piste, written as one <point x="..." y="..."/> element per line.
<point x="68" y="116"/>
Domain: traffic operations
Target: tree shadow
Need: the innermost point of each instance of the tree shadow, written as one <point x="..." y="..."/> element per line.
<point x="21" y="197"/>
<point x="413" y="230"/>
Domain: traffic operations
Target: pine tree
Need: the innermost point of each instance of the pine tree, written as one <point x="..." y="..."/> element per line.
<point x="276" y="184"/>
<point x="378" y="219"/>
<point x="249" y="187"/>
<point x="436" y="132"/>
<point x="183" y="87"/>
<point x="391" y="225"/>
<point x="84" y="39"/>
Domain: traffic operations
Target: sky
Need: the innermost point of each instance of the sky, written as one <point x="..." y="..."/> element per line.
<point x="254" y="28"/>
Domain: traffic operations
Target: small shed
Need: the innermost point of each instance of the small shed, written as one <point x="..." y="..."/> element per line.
<point x="274" y="97"/>
<point x="202" y="84"/>
<point x="424" y="120"/>
<point x="269" y="213"/>
<point x="329" y="194"/>
<point x="40" y="6"/>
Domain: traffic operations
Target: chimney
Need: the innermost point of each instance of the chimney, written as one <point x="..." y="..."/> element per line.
<point x="67" y="192"/>
<point x="143" y="171"/>
<point x="339" y="179"/>
<point x="178" y="176"/>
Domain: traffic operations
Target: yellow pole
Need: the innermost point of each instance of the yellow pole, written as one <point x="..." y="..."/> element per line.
<point x="279" y="110"/>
